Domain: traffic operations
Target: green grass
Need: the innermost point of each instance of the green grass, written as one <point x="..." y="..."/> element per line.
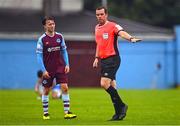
<point x="93" y="107"/>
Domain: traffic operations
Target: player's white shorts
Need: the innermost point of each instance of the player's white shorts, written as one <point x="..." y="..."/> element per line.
<point x="41" y="88"/>
<point x="57" y="89"/>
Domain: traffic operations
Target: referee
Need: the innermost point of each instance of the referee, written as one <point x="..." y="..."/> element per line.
<point x="106" y="34"/>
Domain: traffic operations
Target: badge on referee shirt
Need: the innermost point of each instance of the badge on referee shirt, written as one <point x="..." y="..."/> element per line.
<point x="105" y="36"/>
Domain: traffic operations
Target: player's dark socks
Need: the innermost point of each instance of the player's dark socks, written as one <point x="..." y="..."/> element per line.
<point x="117" y="102"/>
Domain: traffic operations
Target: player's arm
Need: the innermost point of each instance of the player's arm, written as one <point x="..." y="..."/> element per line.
<point x="128" y="37"/>
<point x="64" y="53"/>
<point x="38" y="83"/>
<point x="36" y="86"/>
<point x="65" y="57"/>
<point x="39" y="52"/>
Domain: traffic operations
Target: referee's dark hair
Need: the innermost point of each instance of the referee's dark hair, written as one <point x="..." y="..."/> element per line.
<point x="39" y="73"/>
<point x="102" y="7"/>
<point x="47" y="18"/>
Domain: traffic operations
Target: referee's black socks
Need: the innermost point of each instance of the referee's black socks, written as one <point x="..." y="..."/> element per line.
<point x="117" y="102"/>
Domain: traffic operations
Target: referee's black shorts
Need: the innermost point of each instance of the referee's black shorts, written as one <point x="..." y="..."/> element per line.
<point x="109" y="66"/>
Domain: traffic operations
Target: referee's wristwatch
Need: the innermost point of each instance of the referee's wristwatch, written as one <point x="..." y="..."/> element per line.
<point x="130" y="39"/>
<point x="96" y="57"/>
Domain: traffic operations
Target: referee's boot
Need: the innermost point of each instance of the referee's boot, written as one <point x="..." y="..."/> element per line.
<point x="123" y="112"/>
<point x="120" y="116"/>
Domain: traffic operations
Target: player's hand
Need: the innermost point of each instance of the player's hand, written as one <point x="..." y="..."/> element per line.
<point x="67" y="69"/>
<point x="133" y="40"/>
<point x="95" y="63"/>
<point x="46" y="75"/>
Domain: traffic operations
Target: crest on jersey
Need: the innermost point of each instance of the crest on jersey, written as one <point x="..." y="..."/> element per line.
<point x="44" y="82"/>
<point x="105" y="35"/>
<point x="58" y="40"/>
<point x="46" y="43"/>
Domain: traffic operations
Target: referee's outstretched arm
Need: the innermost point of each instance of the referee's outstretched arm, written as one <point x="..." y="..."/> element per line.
<point x="128" y="37"/>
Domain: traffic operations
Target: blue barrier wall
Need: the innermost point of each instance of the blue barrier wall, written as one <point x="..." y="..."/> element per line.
<point x="177" y="54"/>
<point x="150" y="64"/>
<point x="17" y="64"/>
<point x="144" y="65"/>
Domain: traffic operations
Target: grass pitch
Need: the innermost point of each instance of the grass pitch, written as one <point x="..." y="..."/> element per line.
<point x="93" y="107"/>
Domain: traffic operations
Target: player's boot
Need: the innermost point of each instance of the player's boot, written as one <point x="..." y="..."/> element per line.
<point x="46" y="116"/>
<point x="69" y="115"/>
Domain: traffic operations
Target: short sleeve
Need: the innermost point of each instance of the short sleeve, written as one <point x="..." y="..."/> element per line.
<point x="117" y="28"/>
